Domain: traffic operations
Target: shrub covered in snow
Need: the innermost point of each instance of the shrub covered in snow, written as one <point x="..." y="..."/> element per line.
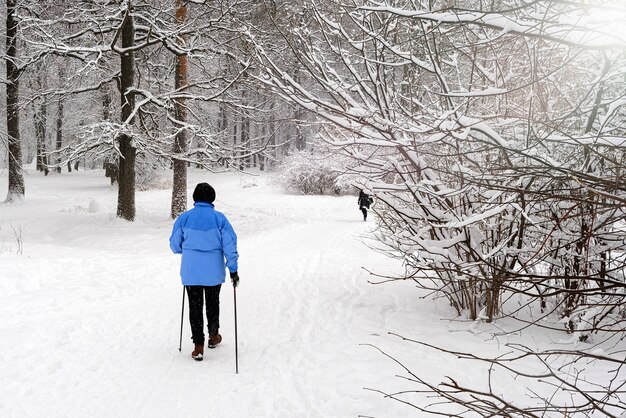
<point x="151" y="176"/>
<point x="500" y="190"/>
<point x="314" y="173"/>
<point x="248" y="182"/>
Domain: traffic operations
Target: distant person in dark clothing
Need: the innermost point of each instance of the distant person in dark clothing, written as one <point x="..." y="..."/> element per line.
<point x="364" y="203"/>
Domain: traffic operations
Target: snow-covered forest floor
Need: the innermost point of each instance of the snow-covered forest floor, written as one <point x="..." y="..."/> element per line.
<point x="90" y="310"/>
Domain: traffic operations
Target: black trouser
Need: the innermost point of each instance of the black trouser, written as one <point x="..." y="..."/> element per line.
<point x="196" y="295"/>
<point x="364" y="210"/>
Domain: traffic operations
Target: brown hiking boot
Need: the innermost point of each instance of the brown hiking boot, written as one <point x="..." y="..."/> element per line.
<point x="214" y="340"/>
<point x="198" y="352"/>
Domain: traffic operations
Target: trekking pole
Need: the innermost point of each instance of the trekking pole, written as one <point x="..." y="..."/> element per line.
<point x="182" y="314"/>
<point x="236" y="351"/>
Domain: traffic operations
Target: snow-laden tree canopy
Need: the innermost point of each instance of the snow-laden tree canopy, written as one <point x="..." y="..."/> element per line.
<point x="494" y="133"/>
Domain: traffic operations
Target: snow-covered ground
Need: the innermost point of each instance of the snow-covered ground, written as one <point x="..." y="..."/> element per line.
<point x="90" y="310"/>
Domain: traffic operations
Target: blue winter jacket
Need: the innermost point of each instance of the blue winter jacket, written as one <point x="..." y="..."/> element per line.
<point x="205" y="238"/>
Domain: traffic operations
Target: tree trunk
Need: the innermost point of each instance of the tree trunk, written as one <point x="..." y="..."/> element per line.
<point x="16" y="178"/>
<point x="245" y="140"/>
<point x="126" y="190"/>
<point x="235" y="134"/>
<point x="111" y="167"/>
<point x="300" y="139"/>
<point x="223" y="125"/>
<point x="41" y="122"/>
<point x="298" y="116"/>
<point x="272" y="139"/>
<point x="179" y="187"/>
<point x="60" y="115"/>
<point x="106" y="104"/>
<point x="262" y="155"/>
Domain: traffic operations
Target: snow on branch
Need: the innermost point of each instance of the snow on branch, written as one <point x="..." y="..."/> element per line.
<point x="493" y="142"/>
<point x="572" y="31"/>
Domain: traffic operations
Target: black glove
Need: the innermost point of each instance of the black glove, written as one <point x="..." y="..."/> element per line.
<point x="234" y="277"/>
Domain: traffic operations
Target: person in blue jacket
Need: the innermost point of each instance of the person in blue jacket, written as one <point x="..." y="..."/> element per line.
<point x="208" y="245"/>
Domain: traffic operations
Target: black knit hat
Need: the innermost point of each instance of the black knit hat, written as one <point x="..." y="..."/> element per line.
<point x="204" y="193"/>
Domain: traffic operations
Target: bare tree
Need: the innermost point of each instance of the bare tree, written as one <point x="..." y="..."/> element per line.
<point x="41" y="120"/>
<point x="16" y="178"/>
<point x="205" y="36"/>
<point x="59" y="121"/>
<point x="127" y="149"/>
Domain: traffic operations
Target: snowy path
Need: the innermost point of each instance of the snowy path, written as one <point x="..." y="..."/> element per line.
<point x="91" y="310"/>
